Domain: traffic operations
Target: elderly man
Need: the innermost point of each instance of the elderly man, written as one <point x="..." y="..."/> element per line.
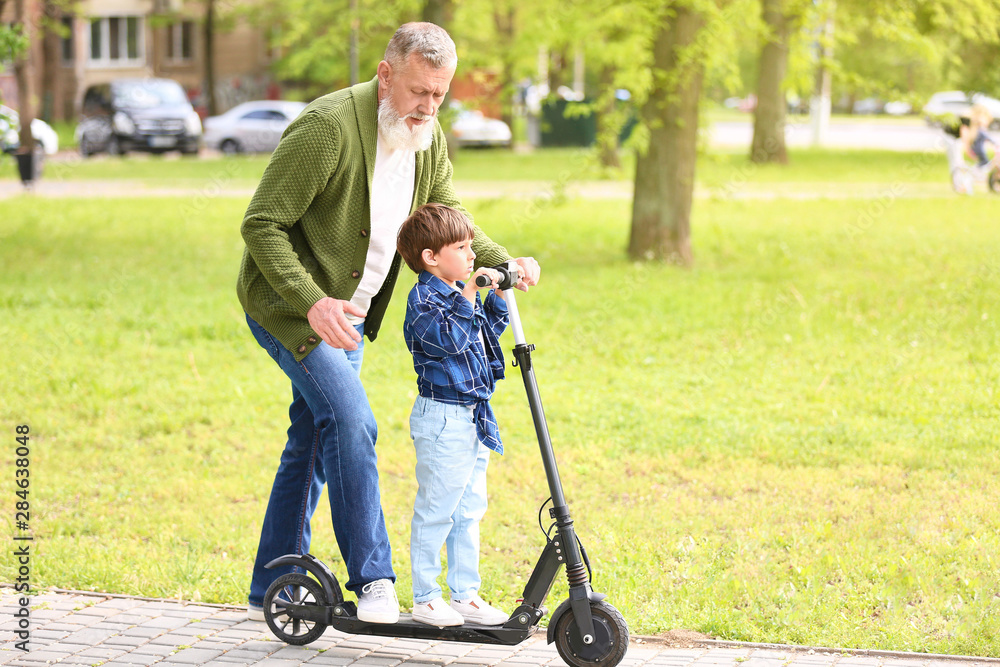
<point x="317" y="274"/>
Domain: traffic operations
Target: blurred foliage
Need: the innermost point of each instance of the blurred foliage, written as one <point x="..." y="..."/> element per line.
<point x="891" y="49"/>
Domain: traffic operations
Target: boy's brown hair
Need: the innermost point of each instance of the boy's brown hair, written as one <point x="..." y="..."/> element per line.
<point x="431" y="227"/>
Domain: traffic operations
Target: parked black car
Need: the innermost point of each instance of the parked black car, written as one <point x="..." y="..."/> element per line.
<point x="138" y="115"/>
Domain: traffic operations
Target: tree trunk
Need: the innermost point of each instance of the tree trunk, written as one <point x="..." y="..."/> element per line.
<point x="819" y="105"/>
<point x="25" y="16"/>
<point x="441" y="13"/>
<point x="504" y="20"/>
<point x="438" y="12"/>
<point x="607" y="120"/>
<point x="769" y="117"/>
<point x="50" y="61"/>
<point x="664" y="177"/>
<point x="557" y="69"/>
<point x="353" y="62"/>
<point x="211" y="103"/>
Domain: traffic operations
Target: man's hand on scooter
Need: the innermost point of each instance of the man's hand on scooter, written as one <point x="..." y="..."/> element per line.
<point x="530" y="272"/>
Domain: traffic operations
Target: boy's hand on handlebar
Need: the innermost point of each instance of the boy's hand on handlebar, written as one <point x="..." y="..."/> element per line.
<point x="471" y="287"/>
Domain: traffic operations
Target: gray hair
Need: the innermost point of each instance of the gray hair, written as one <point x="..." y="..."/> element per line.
<point x="430" y="41"/>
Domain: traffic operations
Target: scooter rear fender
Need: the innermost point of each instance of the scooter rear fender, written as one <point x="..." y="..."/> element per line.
<point x="316" y="568"/>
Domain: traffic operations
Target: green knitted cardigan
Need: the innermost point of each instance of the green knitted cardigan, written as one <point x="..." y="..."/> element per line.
<point x="307" y="227"/>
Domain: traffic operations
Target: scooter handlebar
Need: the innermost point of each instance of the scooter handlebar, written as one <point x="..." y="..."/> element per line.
<point x="510" y="274"/>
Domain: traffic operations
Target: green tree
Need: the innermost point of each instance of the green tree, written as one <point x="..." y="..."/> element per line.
<point x="664" y="178"/>
<point x="684" y="43"/>
<point x="15" y="43"/>
<point x="317" y="38"/>
<point x="607" y="33"/>
<point x="909" y="47"/>
<point x="780" y="18"/>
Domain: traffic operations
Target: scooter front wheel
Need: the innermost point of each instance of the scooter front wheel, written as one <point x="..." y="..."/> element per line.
<point x="963" y="181"/>
<point x="608" y="646"/>
<point x="286" y="601"/>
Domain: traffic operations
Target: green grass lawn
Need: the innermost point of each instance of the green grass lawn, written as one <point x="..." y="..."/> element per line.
<point x="795" y="441"/>
<point x="722" y="171"/>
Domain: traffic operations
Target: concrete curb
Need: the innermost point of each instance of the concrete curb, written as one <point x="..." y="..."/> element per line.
<point x="862" y="652"/>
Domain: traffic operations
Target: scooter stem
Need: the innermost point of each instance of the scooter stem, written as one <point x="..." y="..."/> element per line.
<point x="522" y="354"/>
<point x="567" y="551"/>
<point x="515" y="317"/>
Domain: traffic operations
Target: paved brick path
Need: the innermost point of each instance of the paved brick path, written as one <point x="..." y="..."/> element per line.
<point x="91" y="629"/>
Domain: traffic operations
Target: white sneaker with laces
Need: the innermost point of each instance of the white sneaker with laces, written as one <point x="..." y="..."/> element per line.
<point x="436" y="612"/>
<point x="475" y="610"/>
<point x="377" y="603"/>
<point x="255" y="613"/>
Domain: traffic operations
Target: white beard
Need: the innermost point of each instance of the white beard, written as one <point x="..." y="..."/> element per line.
<point x="397" y="135"/>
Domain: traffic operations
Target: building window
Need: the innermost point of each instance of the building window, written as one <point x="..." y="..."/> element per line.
<point x="180" y="42"/>
<point x="66" y="42"/>
<point x="116" y="40"/>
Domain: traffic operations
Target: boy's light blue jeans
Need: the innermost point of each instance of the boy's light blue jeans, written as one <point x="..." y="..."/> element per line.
<point x="331" y="441"/>
<point x="451" y="498"/>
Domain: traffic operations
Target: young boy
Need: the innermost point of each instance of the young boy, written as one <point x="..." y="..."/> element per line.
<point x="452" y="336"/>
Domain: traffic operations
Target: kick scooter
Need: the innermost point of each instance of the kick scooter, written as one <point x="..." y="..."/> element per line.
<point x="587" y="630"/>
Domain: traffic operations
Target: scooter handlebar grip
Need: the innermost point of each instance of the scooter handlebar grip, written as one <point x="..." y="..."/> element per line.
<point x="510" y="275"/>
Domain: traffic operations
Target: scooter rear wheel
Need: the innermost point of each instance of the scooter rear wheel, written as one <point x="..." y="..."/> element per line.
<point x="610" y="641"/>
<point x="293" y="588"/>
<point x="994" y="180"/>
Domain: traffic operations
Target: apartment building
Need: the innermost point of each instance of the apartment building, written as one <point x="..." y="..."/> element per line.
<point x="104" y="40"/>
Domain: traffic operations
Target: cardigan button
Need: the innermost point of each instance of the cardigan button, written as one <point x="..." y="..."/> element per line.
<point x="364" y="232"/>
<point x="302" y="348"/>
<point x="355" y="274"/>
<point x="311" y="340"/>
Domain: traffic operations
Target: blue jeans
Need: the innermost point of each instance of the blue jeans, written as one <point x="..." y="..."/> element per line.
<point x="451" y="498"/>
<point x="331" y="440"/>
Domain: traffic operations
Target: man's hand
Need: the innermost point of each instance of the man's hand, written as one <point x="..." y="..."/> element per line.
<point x="530" y="272"/>
<point x="327" y="318"/>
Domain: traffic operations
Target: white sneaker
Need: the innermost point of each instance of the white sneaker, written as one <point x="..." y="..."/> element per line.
<point x="436" y="612"/>
<point x="377" y="603"/>
<point x="255" y="613"/>
<point x="475" y="610"/>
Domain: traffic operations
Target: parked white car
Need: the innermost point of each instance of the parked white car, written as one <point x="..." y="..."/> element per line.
<point x="472" y="128"/>
<point x="957" y="103"/>
<point x="251" y="127"/>
<point x="10" y="128"/>
<point x="898" y="108"/>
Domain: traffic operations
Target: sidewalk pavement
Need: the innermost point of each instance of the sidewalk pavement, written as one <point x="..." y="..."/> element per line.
<point x="530" y="191"/>
<point x="76" y="628"/>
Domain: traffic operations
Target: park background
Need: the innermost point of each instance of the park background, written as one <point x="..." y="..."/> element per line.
<point x="773" y="398"/>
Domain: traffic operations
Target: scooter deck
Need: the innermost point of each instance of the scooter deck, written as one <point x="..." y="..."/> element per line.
<point x="407" y="627"/>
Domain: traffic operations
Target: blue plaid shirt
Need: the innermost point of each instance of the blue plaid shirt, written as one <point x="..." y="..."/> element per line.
<point x="442" y="333"/>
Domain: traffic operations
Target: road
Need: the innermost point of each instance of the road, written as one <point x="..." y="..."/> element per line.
<point x="904" y="135"/>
